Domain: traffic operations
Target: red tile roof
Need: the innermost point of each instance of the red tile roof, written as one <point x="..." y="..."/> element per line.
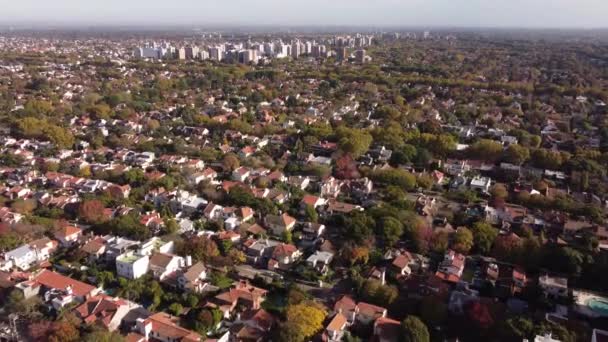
<point x="54" y="280"/>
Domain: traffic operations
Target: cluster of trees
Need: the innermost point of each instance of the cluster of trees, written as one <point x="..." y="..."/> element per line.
<point x="35" y="128"/>
<point x="127" y="225"/>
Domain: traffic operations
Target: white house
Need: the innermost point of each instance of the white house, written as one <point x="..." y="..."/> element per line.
<point x="193" y="278"/>
<point x="163" y="264"/>
<point x="131" y="265"/>
<point x="481" y="184"/>
<point x="22" y="258"/>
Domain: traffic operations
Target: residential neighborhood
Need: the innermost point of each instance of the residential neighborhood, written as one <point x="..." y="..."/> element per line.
<point x="373" y="186"/>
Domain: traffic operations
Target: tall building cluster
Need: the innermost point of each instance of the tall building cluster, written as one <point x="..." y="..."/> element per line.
<point x="252" y="52"/>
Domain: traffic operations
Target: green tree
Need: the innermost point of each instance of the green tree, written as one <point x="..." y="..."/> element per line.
<point x="311" y="214"/>
<point x="59" y="136"/>
<point x="485" y="149"/>
<point x="353" y="141"/>
<point x="414" y="330"/>
<point x="175" y="309"/>
<point x="391" y="230"/>
<point x="397" y="177"/>
<point x="483" y="236"/>
<point x="516" y="154"/>
<point x="463" y="240"/>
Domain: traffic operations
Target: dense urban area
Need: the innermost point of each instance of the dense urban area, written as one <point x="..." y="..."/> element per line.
<point x="375" y="186"/>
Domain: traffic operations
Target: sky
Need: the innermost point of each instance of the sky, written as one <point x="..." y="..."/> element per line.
<point x="431" y="13"/>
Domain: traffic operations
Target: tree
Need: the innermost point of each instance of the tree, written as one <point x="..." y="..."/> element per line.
<point x="404" y="155"/>
<point x="483" y="236"/>
<point x="176" y="309"/>
<point x="439" y="242"/>
<point x="207" y="320"/>
<point x="391" y="230"/>
<point x="355" y="254"/>
<point x="64" y="331"/>
<point x="396" y="177"/>
<point x="485" y="149"/>
<point x="92" y="211"/>
<point x="102" y="335"/>
<point x="200" y="248"/>
<point x="433" y="311"/>
<point x="463" y="240"/>
<point x="566" y="260"/>
<point x="479" y="314"/>
<point x="311" y="214"/>
<point x="353" y="141"/>
<point x="346" y="168"/>
<point x="359" y="227"/>
<point x="424" y="180"/>
<point x="304" y="320"/>
<point x="134" y="177"/>
<point x="237" y="256"/>
<point x="517" y="329"/>
<point x="507" y="247"/>
<point x="230" y="162"/>
<point x="414" y="330"/>
<point x="24" y="206"/>
<point x="546" y="159"/>
<point x="127" y="225"/>
<point x="9" y="241"/>
<point x="499" y="191"/>
<point x="59" y="136"/>
<point x="418" y="231"/>
<point x="16" y="303"/>
<point x="374" y="292"/>
<point x="170" y="226"/>
<point x="516" y="154"/>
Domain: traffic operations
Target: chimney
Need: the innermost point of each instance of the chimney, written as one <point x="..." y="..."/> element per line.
<point x="188" y="260"/>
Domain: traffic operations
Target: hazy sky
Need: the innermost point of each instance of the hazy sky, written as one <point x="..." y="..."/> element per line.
<point x="467" y="13"/>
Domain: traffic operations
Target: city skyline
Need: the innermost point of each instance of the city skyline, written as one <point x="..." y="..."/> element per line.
<point x="435" y="13"/>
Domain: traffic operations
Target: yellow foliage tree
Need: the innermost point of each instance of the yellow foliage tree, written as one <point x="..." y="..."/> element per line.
<point x="304" y="320"/>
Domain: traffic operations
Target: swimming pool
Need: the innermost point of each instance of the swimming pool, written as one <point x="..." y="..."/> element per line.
<point x="598" y="305"/>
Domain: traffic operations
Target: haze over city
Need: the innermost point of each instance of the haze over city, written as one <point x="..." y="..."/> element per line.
<point x="443" y="13"/>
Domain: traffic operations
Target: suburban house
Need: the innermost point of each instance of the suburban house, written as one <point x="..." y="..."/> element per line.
<point x="162" y="327"/>
<point x="242" y="293"/>
<point x="68" y="235"/>
<point x="48" y="281"/>
<point x="481" y="184"/>
<point x="362" y="312"/>
<point x="387" y="330"/>
<point x="29" y="255"/>
<point x="336" y="328"/>
<point x="104" y="310"/>
<point x="367" y="313"/>
<point x="194" y="278"/>
<point x="283" y="255"/>
<point x="452" y="266"/>
<point x="320" y="260"/>
<point x="312" y="231"/>
<point x="407" y="263"/>
<point x="94" y="248"/>
<point x="163" y="264"/>
<point x="280" y="224"/>
<point x="132" y="265"/>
